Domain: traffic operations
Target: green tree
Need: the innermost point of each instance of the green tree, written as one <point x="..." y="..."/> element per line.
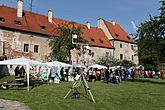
<point x="107" y="60"/>
<point x="125" y="63"/>
<point x="162" y="28"/>
<point x="151" y="40"/>
<point x="61" y="46"/>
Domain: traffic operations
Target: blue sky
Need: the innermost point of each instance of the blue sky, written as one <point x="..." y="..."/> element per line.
<point x="121" y="11"/>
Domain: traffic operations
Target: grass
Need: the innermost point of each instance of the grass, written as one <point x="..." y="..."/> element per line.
<point x="144" y="94"/>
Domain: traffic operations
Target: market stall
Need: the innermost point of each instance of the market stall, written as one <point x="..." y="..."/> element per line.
<point x="22" y="61"/>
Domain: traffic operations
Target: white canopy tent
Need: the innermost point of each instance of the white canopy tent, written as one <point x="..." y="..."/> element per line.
<point x="22" y="61"/>
<point x="114" y="67"/>
<point x="98" y="66"/>
<point x="57" y="63"/>
<point x="78" y="66"/>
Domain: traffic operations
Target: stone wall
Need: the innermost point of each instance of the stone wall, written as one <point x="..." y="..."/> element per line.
<point x="14" y="45"/>
<point x="126" y="49"/>
<point x="90" y="55"/>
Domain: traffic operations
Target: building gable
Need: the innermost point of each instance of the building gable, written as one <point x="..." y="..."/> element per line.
<point x="117" y="32"/>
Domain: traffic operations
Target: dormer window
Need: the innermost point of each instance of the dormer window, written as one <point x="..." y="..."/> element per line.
<point x="128" y="37"/>
<point x="101" y="41"/>
<point x="43" y="27"/>
<point x="117" y="35"/>
<point x="2" y="19"/>
<point x="18" y="23"/>
<point x="92" y="39"/>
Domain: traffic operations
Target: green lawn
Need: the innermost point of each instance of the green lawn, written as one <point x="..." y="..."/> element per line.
<point x="145" y="94"/>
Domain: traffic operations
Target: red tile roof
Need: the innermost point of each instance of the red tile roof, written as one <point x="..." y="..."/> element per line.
<point x="33" y="22"/>
<point x="100" y="39"/>
<point x="96" y="37"/>
<point x="118" y="32"/>
<point x="30" y="22"/>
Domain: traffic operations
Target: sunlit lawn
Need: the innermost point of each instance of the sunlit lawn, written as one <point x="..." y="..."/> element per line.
<point x="145" y="94"/>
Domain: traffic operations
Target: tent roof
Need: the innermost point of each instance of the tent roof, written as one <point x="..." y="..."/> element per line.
<point x="57" y="63"/>
<point x="20" y="61"/>
<point x="98" y="66"/>
<point x="78" y="66"/>
<point x="114" y="67"/>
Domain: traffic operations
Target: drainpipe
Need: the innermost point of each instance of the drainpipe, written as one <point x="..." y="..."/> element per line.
<point x="113" y="42"/>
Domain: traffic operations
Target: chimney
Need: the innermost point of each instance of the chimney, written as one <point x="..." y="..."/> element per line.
<point x="88" y="25"/>
<point x="20" y="8"/>
<point x="113" y="22"/>
<point x="99" y="23"/>
<point x="50" y="16"/>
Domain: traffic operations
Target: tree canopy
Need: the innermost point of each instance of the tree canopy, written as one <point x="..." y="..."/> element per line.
<point x="111" y="61"/>
<point x="151" y="40"/>
<point x="62" y="44"/>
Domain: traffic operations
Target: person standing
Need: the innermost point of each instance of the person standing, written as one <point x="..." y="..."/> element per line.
<point x="98" y="74"/>
<point x="17" y="73"/>
<point x="90" y="75"/>
<point x="62" y="74"/>
<point x="94" y="75"/>
<point x="22" y="72"/>
<point x="107" y="75"/>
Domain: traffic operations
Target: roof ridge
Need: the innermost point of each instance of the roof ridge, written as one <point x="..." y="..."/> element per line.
<point x="35" y="21"/>
<point x="46" y="16"/>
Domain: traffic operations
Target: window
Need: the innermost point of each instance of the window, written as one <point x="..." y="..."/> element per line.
<point x="121" y="45"/>
<point x="92" y="39"/>
<point x="18" y="23"/>
<point x="2" y="19"/>
<point x="121" y="56"/>
<point x="132" y="57"/>
<point x="35" y="48"/>
<point x="131" y="47"/>
<point x="90" y="51"/>
<point x="101" y="41"/>
<point x="26" y="47"/>
<point x="93" y="54"/>
<point x="107" y="53"/>
<point x="11" y="66"/>
<point x="43" y="27"/>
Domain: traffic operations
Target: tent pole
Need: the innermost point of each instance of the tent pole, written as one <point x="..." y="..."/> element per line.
<point x="28" y="72"/>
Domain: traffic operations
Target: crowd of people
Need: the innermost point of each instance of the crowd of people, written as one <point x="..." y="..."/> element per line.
<point x="117" y="75"/>
<point x="113" y="75"/>
<point x="107" y="75"/>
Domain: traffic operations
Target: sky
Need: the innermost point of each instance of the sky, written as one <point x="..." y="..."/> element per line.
<point x="81" y="11"/>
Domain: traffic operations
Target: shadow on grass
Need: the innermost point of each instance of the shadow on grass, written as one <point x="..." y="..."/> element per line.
<point x="1" y="76"/>
<point x="88" y="97"/>
<point x="9" y="89"/>
<point x="22" y="86"/>
<point x="75" y="94"/>
<point x="35" y="83"/>
<point x="147" y="81"/>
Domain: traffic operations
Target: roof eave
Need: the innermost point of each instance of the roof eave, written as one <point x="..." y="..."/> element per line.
<point x="123" y="41"/>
